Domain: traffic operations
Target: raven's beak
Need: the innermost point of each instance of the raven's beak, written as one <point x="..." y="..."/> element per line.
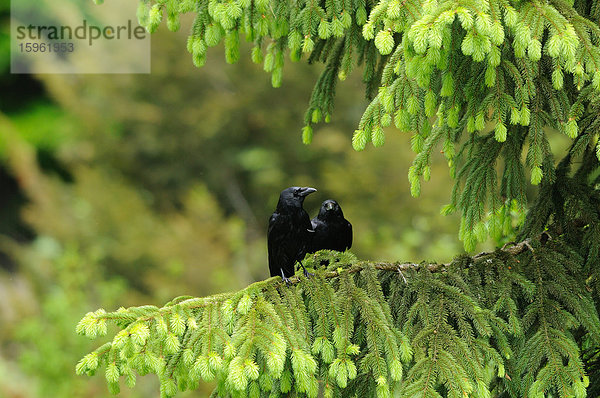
<point x="305" y="191"/>
<point x="329" y="206"/>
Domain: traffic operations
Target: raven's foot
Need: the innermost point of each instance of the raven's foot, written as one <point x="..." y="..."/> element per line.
<point x="285" y="279"/>
<point x="306" y="273"/>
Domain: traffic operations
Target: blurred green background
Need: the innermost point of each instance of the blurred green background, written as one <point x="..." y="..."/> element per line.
<point x="120" y="190"/>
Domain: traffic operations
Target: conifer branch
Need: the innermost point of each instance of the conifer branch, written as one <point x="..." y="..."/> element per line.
<point x="424" y="65"/>
<point x="509" y="248"/>
<point x="512" y="321"/>
<point x="357" y="315"/>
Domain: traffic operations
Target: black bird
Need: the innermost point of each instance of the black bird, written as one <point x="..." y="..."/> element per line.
<point x="332" y="230"/>
<point x="290" y="233"/>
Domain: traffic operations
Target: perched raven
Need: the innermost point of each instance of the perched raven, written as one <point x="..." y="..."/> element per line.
<point x="290" y="233"/>
<point x="332" y="230"/>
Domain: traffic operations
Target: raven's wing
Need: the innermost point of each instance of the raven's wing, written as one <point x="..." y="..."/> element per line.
<point x="305" y="234"/>
<point x="348" y="236"/>
<point x="281" y="255"/>
<point x="316" y="241"/>
<point x="313" y="223"/>
<point x="272" y="225"/>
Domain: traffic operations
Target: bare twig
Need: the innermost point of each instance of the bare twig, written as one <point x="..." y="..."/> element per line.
<point x="402" y="275"/>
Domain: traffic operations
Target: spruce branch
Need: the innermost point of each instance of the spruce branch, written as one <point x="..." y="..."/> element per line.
<point x="358" y="325"/>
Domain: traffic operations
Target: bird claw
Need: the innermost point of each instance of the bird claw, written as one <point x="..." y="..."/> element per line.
<point x="306" y="273"/>
<point x="287" y="280"/>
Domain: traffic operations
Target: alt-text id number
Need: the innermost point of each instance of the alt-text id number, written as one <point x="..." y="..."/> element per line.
<point x="47" y="47"/>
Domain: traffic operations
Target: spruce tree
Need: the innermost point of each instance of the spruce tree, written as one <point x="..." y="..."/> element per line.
<point x="487" y="82"/>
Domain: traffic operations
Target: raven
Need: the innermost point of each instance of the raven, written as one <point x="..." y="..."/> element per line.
<point x="332" y="230"/>
<point x="290" y="233"/>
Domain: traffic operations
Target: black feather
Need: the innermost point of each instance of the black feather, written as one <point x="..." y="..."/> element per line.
<point x="290" y="233"/>
<point x="332" y="230"/>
